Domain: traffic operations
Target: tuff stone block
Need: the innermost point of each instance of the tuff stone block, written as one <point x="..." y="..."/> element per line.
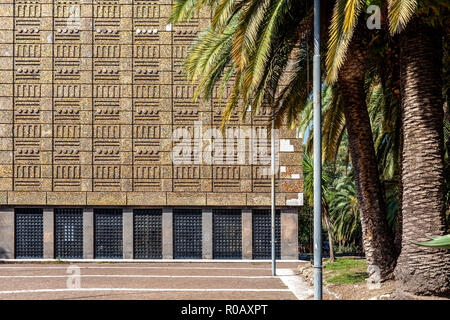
<point x="207" y="232"/>
<point x="289" y="234"/>
<point x="247" y="230"/>
<point x="128" y="233"/>
<point x="106" y="198"/>
<point x="6" y="233"/>
<point x="48" y="233"/>
<point x="167" y="233"/>
<point x="88" y="233"/>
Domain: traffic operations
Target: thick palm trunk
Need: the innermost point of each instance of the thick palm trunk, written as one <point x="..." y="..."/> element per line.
<point x="422" y="270"/>
<point x="399" y="218"/>
<point x="391" y="76"/>
<point x="377" y="240"/>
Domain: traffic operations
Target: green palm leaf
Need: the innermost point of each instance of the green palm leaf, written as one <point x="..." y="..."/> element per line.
<point x="183" y="10"/>
<point x="247" y="32"/>
<point x="224" y="11"/>
<point x="399" y="13"/>
<point x="259" y="57"/>
<point x="442" y="242"/>
<point x="343" y="22"/>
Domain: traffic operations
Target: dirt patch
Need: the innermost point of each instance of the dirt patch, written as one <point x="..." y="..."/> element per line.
<point x="345" y="280"/>
<point x="360" y="291"/>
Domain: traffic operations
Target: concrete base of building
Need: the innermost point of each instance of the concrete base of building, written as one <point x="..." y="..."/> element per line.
<point x="208" y="244"/>
<point x="148" y="260"/>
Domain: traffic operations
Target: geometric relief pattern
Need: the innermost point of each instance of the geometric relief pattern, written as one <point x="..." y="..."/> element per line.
<point x="68" y="77"/>
<point x="106" y="96"/>
<point x="97" y="89"/>
<point x="149" y="107"/>
<point x="185" y="112"/>
<point x="29" y="92"/>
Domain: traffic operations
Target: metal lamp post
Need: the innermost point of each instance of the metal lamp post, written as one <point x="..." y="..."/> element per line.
<point x="317" y="164"/>
<point x="272" y="149"/>
<point x="317" y="157"/>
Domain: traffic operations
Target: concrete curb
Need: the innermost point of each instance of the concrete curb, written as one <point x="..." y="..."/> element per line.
<point x="150" y="260"/>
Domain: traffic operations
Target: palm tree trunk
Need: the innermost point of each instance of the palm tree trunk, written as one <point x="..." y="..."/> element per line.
<point x="377" y="240"/>
<point x="399" y="218"/>
<point x="420" y="270"/>
<point x="329" y="226"/>
<point x="390" y="73"/>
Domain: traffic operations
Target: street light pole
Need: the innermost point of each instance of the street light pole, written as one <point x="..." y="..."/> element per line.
<point x="272" y="149"/>
<point x="317" y="157"/>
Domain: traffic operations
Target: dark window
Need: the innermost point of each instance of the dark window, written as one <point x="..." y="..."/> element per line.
<point x="227" y="234"/>
<point x="29" y="233"/>
<point x="69" y="233"/>
<point x="147" y="234"/>
<point x="108" y="233"/>
<point x="262" y="229"/>
<point x="187" y="233"/>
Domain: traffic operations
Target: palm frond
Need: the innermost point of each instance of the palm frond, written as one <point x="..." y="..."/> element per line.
<point x="333" y="123"/>
<point x="399" y="13"/>
<point x="223" y="13"/>
<point x="205" y="52"/>
<point x="259" y="56"/>
<point x="344" y="210"/>
<point x="233" y="99"/>
<point x="277" y="65"/>
<point x="247" y="32"/>
<point x="209" y="59"/>
<point x="442" y="242"/>
<point x="182" y="10"/>
<point x="293" y="98"/>
<point x="343" y="22"/>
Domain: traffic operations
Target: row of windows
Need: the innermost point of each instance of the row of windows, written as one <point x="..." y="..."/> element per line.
<point x="147" y="233"/>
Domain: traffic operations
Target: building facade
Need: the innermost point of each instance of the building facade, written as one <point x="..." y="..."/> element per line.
<point x="105" y="154"/>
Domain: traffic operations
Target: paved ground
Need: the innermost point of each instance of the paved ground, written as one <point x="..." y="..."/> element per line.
<point x="164" y="281"/>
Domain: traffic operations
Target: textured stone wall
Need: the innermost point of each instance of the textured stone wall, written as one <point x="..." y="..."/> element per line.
<point x="91" y="92"/>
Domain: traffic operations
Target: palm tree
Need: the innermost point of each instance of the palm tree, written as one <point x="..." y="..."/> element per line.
<point x="377" y="239"/>
<point x="421" y="270"/>
<point x="308" y="190"/>
<point x="418" y="270"/>
<point x="384" y="114"/>
<point x="333" y="128"/>
<point x="253" y="44"/>
<point x="345" y="210"/>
